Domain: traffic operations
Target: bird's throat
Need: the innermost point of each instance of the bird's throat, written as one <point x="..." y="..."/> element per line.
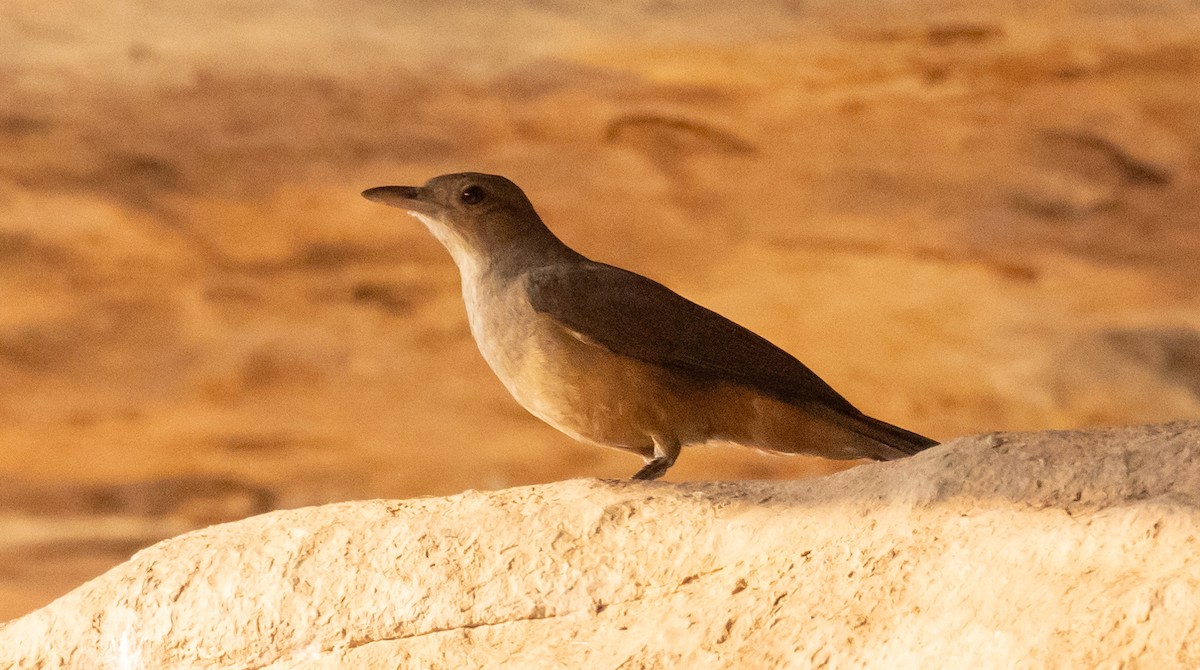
<point x="470" y="260"/>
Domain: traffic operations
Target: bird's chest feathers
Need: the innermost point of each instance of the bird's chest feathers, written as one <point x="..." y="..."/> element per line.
<point x="546" y="370"/>
<point x="506" y="328"/>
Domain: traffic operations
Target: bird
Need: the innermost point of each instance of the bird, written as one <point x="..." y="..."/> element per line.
<point x="610" y="357"/>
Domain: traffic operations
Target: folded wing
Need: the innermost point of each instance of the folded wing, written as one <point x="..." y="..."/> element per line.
<point x="637" y="317"/>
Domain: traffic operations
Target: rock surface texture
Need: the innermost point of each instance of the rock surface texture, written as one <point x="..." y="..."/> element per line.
<point x="1053" y="549"/>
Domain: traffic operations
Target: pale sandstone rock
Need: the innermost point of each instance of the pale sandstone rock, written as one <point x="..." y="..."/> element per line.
<point x="1052" y="549"/>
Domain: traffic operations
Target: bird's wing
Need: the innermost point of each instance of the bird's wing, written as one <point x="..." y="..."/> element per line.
<point x="637" y="317"/>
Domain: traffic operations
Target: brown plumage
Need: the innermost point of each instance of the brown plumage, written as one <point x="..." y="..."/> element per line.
<point x="614" y="358"/>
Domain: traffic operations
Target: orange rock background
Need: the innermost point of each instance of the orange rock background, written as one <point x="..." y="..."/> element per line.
<point x="965" y="219"/>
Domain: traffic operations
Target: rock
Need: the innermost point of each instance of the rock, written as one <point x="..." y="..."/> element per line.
<point x="929" y="203"/>
<point x="1114" y="367"/>
<point x="1063" y="549"/>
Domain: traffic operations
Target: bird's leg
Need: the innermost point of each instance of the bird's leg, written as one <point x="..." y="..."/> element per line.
<point x="665" y="453"/>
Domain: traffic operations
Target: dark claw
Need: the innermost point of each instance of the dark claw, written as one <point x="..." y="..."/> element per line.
<point x="653" y="469"/>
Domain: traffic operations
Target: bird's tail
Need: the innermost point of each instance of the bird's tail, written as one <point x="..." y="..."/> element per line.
<point x="884" y="442"/>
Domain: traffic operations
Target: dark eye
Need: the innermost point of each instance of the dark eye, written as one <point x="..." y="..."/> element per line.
<point x="472" y="195"/>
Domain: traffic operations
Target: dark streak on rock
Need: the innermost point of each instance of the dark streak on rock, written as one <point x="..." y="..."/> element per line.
<point x="1132" y="169"/>
<point x="962" y="33"/>
<point x="154" y="497"/>
<point x="18" y="125"/>
<point x="36" y="554"/>
<point x="1020" y="272"/>
<point x="696" y="133"/>
<point x="1171" y="353"/>
<point x="388" y="298"/>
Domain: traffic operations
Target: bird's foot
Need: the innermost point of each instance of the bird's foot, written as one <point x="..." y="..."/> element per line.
<point x="657" y="466"/>
<point x="660" y="460"/>
<point x="653" y="469"/>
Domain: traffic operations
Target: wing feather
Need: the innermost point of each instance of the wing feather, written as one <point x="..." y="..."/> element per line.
<point x="637" y="317"/>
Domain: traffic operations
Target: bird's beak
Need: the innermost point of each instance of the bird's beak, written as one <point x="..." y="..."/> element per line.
<point x="408" y="198"/>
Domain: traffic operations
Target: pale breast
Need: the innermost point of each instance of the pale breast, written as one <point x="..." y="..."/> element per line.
<point x="576" y="386"/>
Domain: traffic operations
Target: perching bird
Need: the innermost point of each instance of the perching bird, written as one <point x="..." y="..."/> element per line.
<point x="611" y="357"/>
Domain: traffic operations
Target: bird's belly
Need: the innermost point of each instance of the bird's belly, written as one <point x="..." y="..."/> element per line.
<point x="590" y="393"/>
<point x="579" y="387"/>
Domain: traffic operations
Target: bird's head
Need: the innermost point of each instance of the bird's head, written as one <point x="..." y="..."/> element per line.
<point x="477" y="217"/>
